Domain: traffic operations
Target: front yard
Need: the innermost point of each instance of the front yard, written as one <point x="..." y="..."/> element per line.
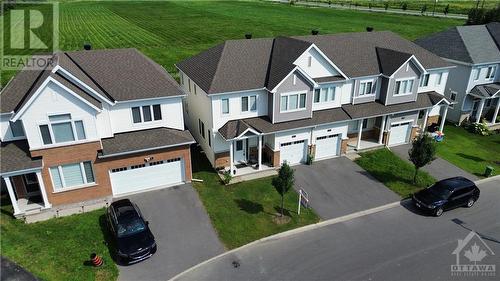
<point x="393" y="171"/>
<point x="243" y="212"/>
<point x="57" y="249"/>
<point x="470" y="152"/>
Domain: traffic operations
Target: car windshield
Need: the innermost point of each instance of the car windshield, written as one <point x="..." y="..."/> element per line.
<point x="440" y="190"/>
<point x="129" y="223"/>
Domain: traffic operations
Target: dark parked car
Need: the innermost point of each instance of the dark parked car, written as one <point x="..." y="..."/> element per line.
<point x="132" y="237"/>
<point x="447" y="194"/>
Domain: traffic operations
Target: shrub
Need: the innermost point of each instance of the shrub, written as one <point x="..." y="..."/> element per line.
<point x="227" y="177"/>
<point x="310" y="159"/>
<point x="404" y="6"/>
<point x="477" y="128"/>
<point x="386" y="6"/>
<point x="424" y="9"/>
<point x="446" y="9"/>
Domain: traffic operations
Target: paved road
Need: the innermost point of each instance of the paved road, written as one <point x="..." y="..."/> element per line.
<point x="439" y="168"/>
<point x="182" y="229"/>
<point x="338" y="187"/>
<point x="395" y="244"/>
<point x="9" y="271"/>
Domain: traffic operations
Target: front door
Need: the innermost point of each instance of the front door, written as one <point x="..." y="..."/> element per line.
<point x="31" y="184"/>
<point x="240" y="152"/>
<point x="475" y="107"/>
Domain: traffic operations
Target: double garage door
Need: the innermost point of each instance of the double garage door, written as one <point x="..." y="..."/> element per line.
<point x="327" y="146"/>
<point x="399" y="133"/>
<point x="141" y="177"/>
<point x="293" y="152"/>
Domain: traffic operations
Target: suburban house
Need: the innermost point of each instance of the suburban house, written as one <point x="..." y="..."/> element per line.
<point x="254" y="103"/>
<point x="474" y="83"/>
<point x="94" y="125"/>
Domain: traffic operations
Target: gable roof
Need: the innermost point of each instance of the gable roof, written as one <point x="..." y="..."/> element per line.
<point x="486" y="90"/>
<point x="247" y="64"/>
<point x="390" y="60"/>
<point x="471" y="44"/>
<point x="115" y="74"/>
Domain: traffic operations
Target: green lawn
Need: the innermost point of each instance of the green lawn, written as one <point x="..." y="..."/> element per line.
<point x="171" y="31"/>
<point x="243" y="212"/>
<point x="57" y="249"/>
<point x="469" y="151"/>
<point x="393" y="171"/>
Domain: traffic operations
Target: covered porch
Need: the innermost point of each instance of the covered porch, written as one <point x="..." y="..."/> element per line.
<point x="246" y="154"/>
<point x="486" y="104"/>
<point x="22" y="177"/>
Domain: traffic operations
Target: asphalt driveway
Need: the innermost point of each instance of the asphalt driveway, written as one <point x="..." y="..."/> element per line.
<point x="338" y="187"/>
<point x="182" y="229"/>
<point x="439" y="168"/>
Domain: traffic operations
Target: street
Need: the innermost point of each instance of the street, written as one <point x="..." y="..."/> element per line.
<point x="395" y="244"/>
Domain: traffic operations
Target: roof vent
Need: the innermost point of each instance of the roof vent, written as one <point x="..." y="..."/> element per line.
<point x="87" y="46"/>
<point x="314" y="32"/>
<point x="369" y="28"/>
<point x="248" y="36"/>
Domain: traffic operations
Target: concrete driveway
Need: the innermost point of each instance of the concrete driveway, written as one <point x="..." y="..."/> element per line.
<point x="439" y="168"/>
<point x="338" y="187"/>
<point x="182" y="229"/>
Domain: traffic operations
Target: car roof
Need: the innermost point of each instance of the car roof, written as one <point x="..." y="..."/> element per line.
<point x="456" y="183"/>
<point x="124" y="207"/>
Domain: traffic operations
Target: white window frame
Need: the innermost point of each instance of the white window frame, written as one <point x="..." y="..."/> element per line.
<point x="426" y="84"/>
<point x="363" y="84"/>
<point x="453" y="93"/>
<point x="326" y="94"/>
<point x="398" y="94"/>
<point x="477" y="74"/>
<point x="63" y="182"/>
<point x="490" y="73"/>
<point x="222" y="106"/>
<point x="298" y="93"/>
<point x="22" y="127"/>
<point x="439" y="79"/>
<point x="141" y="112"/>
<point x="71" y="120"/>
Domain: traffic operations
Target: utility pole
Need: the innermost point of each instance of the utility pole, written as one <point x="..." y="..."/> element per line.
<point x="434" y="9"/>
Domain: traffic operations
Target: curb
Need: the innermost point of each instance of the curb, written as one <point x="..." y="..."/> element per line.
<point x="297" y="230"/>
<point x="487" y="179"/>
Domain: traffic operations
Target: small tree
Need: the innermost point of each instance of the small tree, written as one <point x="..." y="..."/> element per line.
<point x="404" y="6"/>
<point x="386" y="6"/>
<point x="446" y="9"/>
<point x="283" y="182"/>
<point x="421" y="153"/>
<point x="424" y="9"/>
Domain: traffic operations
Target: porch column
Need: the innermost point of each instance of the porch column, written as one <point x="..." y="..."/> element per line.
<point x="42" y="189"/>
<point x="231" y="157"/>
<point x="480" y="111"/>
<point x="496" y="111"/>
<point x="360" y="131"/>
<point x="260" y="152"/>
<point x="382" y="128"/>
<point x="12" y="195"/>
<point x="443" y="118"/>
<point x="426" y="117"/>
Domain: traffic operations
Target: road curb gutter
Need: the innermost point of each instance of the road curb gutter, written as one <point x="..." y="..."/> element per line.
<point x="487" y="179"/>
<point x="295" y="231"/>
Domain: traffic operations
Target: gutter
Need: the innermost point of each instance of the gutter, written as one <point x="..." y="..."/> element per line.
<point x="143" y="150"/>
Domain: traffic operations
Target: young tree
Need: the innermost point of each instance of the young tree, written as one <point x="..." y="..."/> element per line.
<point x="404" y="6"/>
<point x="446" y="9"/>
<point x="283" y="182"/>
<point x="424" y="9"/>
<point x="422" y="152"/>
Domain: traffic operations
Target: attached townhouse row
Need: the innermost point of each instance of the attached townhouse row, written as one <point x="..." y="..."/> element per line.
<point x="252" y="104"/>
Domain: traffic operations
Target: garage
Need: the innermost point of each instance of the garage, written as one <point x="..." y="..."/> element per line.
<point x="145" y="176"/>
<point x="327" y="146"/>
<point x="293" y="152"/>
<point x="399" y="133"/>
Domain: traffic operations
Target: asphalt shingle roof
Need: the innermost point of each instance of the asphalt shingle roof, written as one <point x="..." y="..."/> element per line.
<point x="390" y="60"/>
<point x="15" y="156"/>
<point x="486" y="90"/>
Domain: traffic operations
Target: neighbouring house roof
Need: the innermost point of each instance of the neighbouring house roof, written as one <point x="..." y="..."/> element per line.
<point x="15" y="156"/>
<point x="486" y="90"/>
<point x="247" y="64"/>
<point x="116" y="74"/>
<point x="144" y="140"/>
<point x="471" y="44"/>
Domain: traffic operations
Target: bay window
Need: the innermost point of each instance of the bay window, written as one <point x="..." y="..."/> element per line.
<point x="72" y="175"/>
<point x="62" y="128"/>
<point x="293" y="102"/>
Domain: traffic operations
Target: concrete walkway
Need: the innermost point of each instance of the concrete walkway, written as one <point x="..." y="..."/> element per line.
<point x="439" y="168"/>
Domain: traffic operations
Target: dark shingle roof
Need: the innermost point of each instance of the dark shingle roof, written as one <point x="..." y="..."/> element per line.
<point x="494" y="30"/>
<point x="390" y="60"/>
<point x="130" y="142"/>
<point x="15" y="156"/>
<point x="233" y="128"/>
<point x="486" y="90"/>
<point x="328" y="79"/>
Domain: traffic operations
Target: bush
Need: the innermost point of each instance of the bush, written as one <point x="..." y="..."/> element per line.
<point x="477" y="128"/>
<point x="386" y="6"/>
<point x="423" y="9"/>
<point x="446" y="9"/>
<point x="227" y="177"/>
<point x="310" y="159"/>
<point x="404" y="6"/>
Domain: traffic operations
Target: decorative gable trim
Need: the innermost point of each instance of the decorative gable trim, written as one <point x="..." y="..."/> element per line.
<point x="415" y="61"/>
<point x="302" y="72"/>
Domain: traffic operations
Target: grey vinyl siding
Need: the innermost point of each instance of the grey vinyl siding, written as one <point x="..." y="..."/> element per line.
<point x="270" y="104"/>
<point x="287" y="86"/>
<point x="384" y="84"/>
<point x="458" y="79"/>
<point x="402" y="74"/>
<point x="357" y="99"/>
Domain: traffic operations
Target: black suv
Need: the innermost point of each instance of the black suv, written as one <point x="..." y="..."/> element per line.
<point x="447" y="194"/>
<point x="133" y="240"/>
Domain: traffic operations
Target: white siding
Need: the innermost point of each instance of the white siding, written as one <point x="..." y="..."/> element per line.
<point x="331" y="129"/>
<point x="330" y="104"/>
<point x="320" y="67"/>
<point x="5" y="131"/>
<point x="347" y="92"/>
<point x="294" y="135"/>
<point x="431" y="86"/>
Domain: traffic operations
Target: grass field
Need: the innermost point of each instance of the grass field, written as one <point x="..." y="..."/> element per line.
<point x="171" y="31"/>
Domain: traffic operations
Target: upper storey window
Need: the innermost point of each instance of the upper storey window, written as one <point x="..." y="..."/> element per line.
<point x="365" y="88"/>
<point x="17" y="129"/>
<point x="403" y="87"/>
<point x="424" y="80"/>
<point x="248" y="103"/>
<point x="477" y="72"/>
<point x="292" y="102"/>
<point x="62" y="128"/>
<point x="324" y="94"/>
<point x="490" y="74"/>
<point x="225" y="106"/>
<point x="146" y="113"/>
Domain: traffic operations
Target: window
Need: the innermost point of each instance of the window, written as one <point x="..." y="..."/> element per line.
<point x="62" y="128"/>
<point x="146" y="113"/>
<point x="293" y="102"/>
<point x="17" y="128"/>
<point x="209" y="139"/>
<point x="317" y="95"/>
<point x="72" y="175"/>
<point x="324" y="94"/>
<point x="253" y="103"/>
<point x="201" y="128"/>
<point x="488" y="103"/>
<point x="490" y="74"/>
<point x="365" y="88"/>
<point x="248" y="102"/>
<point x="225" y="106"/>
<point x="439" y="78"/>
<point x="403" y="87"/>
<point x="244" y="104"/>
<point x="189" y="85"/>
<point x="182" y="78"/>
<point x="365" y="123"/>
<point x="453" y="96"/>
<point x="477" y="72"/>
<point x="424" y="80"/>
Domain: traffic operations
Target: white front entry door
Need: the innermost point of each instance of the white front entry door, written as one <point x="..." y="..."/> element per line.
<point x="327" y="146"/>
<point x="293" y="152"/>
<point x="145" y="176"/>
<point x="240" y="151"/>
<point x="399" y="133"/>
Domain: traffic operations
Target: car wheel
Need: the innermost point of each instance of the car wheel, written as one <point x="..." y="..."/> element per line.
<point x="438" y="212"/>
<point x="471" y="202"/>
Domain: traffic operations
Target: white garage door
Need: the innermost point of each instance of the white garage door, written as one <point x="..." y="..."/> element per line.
<point x="293" y="152"/>
<point x="145" y="176"/>
<point x="399" y="133"/>
<point x="327" y="146"/>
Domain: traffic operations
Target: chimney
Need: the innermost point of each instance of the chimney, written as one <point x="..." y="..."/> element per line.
<point x="248" y="36"/>
<point x="87" y="46"/>
<point x="369" y="28"/>
<point x="314" y="32"/>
